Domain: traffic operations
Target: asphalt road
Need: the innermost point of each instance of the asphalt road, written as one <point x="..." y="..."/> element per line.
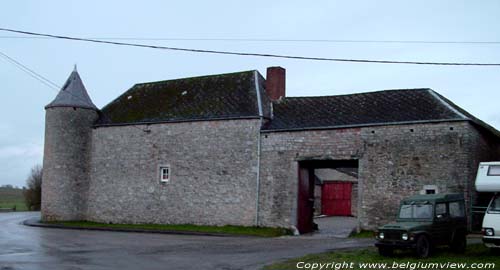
<point x="23" y="247"/>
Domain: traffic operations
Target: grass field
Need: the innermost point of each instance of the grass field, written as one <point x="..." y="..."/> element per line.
<point x="236" y="230"/>
<point x="476" y="254"/>
<point x="10" y="197"/>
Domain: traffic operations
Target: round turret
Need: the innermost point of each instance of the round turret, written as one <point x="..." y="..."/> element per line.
<point x="68" y="129"/>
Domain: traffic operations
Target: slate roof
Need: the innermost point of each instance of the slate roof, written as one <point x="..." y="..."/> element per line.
<point x="364" y="109"/>
<point x="73" y="94"/>
<point x="236" y="96"/>
<point x="224" y="96"/>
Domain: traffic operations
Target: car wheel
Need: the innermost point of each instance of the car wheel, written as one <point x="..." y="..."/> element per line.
<point x="459" y="243"/>
<point x="424" y="247"/>
<point x="385" y="251"/>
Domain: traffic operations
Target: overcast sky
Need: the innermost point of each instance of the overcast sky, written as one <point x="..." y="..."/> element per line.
<point x="108" y="70"/>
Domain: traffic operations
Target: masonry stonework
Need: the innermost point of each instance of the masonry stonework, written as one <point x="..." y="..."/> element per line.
<point x="66" y="163"/>
<point x="392" y="159"/>
<point x="281" y="152"/>
<point x="213" y="168"/>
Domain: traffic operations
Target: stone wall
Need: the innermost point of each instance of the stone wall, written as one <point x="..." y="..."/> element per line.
<point x="66" y="162"/>
<point x="213" y="173"/>
<point x="399" y="160"/>
<point x="394" y="162"/>
<point x="111" y="174"/>
<point x="279" y="167"/>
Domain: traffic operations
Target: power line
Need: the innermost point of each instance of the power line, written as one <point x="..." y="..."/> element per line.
<point x="46" y="81"/>
<point x="31" y="72"/>
<point x="274" y="40"/>
<point x="248" y="54"/>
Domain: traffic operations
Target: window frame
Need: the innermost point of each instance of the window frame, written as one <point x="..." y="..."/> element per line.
<point x="161" y="173"/>
<point x="461" y="206"/>
<point x="428" y="189"/>
<point x="414" y="211"/>
<point x="443" y="214"/>
<point x="489" y="170"/>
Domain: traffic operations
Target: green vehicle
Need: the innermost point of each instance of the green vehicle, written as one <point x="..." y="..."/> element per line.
<point x="424" y="222"/>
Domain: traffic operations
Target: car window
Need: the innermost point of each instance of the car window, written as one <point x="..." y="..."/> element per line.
<point x="415" y="211"/>
<point x="457" y="209"/>
<point x="495" y="205"/>
<point x="441" y="209"/>
<point x="423" y="211"/>
<point x="406" y="211"/>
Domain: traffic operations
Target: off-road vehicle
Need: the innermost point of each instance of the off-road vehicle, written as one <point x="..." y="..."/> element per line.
<point x="424" y="222"/>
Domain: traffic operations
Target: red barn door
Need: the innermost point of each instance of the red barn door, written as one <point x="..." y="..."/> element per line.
<point x="336" y="198"/>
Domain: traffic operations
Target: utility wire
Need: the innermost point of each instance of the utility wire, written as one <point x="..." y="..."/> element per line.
<point x="31" y="72"/>
<point x="46" y="81"/>
<point x="272" y="40"/>
<point x="248" y="54"/>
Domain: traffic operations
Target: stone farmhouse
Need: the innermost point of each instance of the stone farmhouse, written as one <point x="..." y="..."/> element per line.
<point x="234" y="149"/>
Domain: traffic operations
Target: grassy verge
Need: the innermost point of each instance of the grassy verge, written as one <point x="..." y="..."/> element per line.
<point x="12" y="197"/>
<point x="228" y="229"/>
<point x="362" y="234"/>
<point x="19" y="205"/>
<point x="476" y="253"/>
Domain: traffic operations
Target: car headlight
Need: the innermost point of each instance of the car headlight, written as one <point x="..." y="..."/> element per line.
<point x="381" y="235"/>
<point x="488" y="231"/>
<point x="404" y="236"/>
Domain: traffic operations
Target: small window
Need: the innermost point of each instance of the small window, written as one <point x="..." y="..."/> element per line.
<point x="164" y="174"/>
<point x="494" y="170"/>
<point x="457" y="209"/>
<point x="429" y="189"/>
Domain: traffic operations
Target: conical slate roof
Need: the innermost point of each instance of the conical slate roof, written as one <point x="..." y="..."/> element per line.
<point x="73" y="94"/>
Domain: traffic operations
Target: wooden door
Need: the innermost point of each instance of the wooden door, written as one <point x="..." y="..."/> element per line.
<point x="305" y="204"/>
<point x="336" y="198"/>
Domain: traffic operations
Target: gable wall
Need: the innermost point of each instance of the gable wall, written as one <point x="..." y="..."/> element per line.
<point x="213" y="173"/>
<point x="394" y="162"/>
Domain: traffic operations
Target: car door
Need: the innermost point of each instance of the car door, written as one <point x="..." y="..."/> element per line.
<point x="457" y="216"/>
<point x="440" y="226"/>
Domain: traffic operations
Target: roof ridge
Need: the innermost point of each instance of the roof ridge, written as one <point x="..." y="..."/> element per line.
<point x="231" y="95"/>
<point x="448" y="104"/>
<point x="363" y="93"/>
<point x="196" y="77"/>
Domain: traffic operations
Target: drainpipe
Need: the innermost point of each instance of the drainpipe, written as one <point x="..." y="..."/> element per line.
<point x="261" y="116"/>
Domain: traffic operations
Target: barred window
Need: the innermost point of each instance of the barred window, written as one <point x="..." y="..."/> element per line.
<point x="164" y="174"/>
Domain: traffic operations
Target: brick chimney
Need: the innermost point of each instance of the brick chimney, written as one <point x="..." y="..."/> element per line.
<point x="275" y="83"/>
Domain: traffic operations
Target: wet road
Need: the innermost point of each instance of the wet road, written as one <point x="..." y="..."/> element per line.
<point x="23" y="247"/>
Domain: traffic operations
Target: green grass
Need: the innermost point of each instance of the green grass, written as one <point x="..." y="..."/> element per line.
<point x="228" y="229"/>
<point x="476" y="253"/>
<point x="10" y="197"/>
<point x="362" y="234"/>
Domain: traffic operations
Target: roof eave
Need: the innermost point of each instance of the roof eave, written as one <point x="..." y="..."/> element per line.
<point x="364" y="125"/>
<point x="177" y="121"/>
<point x="71" y="106"/>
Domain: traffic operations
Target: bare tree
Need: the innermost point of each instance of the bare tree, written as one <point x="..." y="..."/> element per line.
<point x="33" y="192"/>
